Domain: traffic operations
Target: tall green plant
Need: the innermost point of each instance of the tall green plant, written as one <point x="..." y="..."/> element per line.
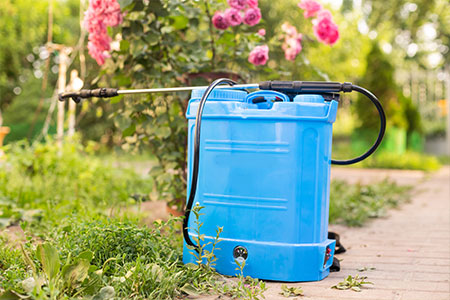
<point x="379" y="79"/>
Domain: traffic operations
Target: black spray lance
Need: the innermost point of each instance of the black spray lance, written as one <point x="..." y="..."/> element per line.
<point x="290" y="88"/>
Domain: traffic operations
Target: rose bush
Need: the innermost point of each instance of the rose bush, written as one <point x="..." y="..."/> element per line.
<point x="177" y="42"/>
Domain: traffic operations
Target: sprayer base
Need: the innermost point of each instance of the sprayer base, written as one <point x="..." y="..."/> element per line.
<point x="272" y="261"/>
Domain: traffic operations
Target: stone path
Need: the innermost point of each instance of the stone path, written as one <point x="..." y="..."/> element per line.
<point x="410" y="249"/>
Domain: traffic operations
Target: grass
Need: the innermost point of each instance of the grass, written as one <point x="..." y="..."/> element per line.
<point x="75" y="248"/>
<point x="406" y="161"/>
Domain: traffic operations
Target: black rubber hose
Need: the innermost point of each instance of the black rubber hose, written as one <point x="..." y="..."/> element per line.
<point x="196" y="158"/>
<point x="381" y="132"/>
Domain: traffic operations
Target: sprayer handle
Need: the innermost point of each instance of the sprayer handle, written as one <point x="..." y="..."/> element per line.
<point x="100" y="93"/>
<point x="306" y="87"/>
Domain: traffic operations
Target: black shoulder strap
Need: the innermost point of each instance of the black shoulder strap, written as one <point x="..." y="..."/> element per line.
<point x="339" y="247"/>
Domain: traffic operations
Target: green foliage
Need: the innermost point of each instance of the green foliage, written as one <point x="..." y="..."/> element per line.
<point x="24" y="27"/>
<point x="169" y="43"/>
<point x="117" y="243"/>
<point x="91" y="255"/>
<point x="352" y="283"/>
<point x="246" y="287"/>
<point x="12" y="267"/>
<point x="129" y="261"/>
<point x="379" y="79"/>
<point x="408" y="161"/>
<point x="200" y="252"/>
<point x="354" y="204"/>
<point x="53" y="279"/>
<point x="50" y="182"/>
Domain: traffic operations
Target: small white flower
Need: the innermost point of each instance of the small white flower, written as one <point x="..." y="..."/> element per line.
<point x="28" y="284"/>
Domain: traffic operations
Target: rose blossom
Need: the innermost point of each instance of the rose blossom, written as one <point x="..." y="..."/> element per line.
<point x="97" y="54"/>
<point x="101" y="40"/>
<point x="219" y="20"/>
<point x="93" y="24"/>
<point x="252" y="3"/>
<point x="292" y="41"/>
<point x="289" y="29"/>
<point x="252" y="16"/>
<point x="238" y="4"/>
<point x="326" y="31"/>
<point x="233" y="16"/>
<point x="310" y="7"/>
<point x="113" y="19"/>
<point x="262" y="32"/>
<point x="99" y="15"/>
<point x="259" y="55"/>
<point x="324" y="14"/>
<point x="292" y="48"/>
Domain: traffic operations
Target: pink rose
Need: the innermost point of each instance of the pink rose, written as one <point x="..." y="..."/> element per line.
<point x="252" y="16"/>
<point x="310" y="7"/>
<point x="233" y="16"/>
<point x="252" y="3"/>
<point x="292" y="48"/>
<point x="113" y="19"/>
<point x="324" y="14"/>
<point x="102" y="41"/>
<point x="292" y="41"/>
<point x="259" y="55"/>
<point x="326" y="31"/>
<point x="97" y="53"/>
<point x="289" y="29"/>
<point x="262" y="32"/>
<point x="238" y="4"/>
<point x="219" y="21"/>
<point x="99" y="15"/>
<point x="91" y="23"/>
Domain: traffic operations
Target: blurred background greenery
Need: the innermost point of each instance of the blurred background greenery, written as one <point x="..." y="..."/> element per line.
<point x="398" y="50"/>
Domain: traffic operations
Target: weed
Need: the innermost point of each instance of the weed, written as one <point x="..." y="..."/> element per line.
<point x="245" y="287"/>
<point x="363" y="269"/>
<point x="353" y="204"/>
<point x="291" y="291"/>
<point x="12" y="267"/>
<point x="200" y="252"/>
<point x="353" y="283"/>
<point x="51" y="278"/>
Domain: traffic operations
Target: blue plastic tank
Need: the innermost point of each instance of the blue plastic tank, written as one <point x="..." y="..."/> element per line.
<point x="264" y="176"/>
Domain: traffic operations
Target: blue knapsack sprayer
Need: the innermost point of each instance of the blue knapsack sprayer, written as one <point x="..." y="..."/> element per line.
<point x="264" y="172"/>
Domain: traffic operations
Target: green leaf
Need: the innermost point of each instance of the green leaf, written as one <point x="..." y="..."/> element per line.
<point x="189" y="289"/>
<point x="93" y="284"/>
<point x="105" y="293"/>
<point x="9" y="295"/>
<point x="129" y="131"/>
<point x="124" y="3"/>
<point x="76" y="272"/>
<point x="49" y="258"/>
<point x="180" y="22"/>
<point x="87" y="255"/>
